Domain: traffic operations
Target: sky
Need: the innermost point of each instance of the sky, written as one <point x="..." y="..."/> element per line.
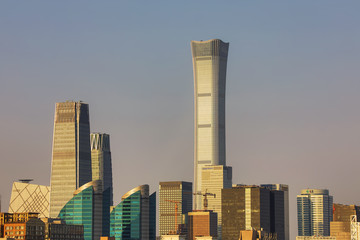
<point x="292" y="94"/>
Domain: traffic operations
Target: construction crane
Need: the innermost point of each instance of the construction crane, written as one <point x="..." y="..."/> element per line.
<point x="176" y="213"/>
<point x="205" y="194"/>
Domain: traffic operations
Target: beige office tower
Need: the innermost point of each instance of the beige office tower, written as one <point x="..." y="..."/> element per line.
<point x="101" y="162"/>
<point x="27" y="197"/>
<point x="215" y="178"/>
<point x="209" y="65"/>
<point x="71" y="158"/>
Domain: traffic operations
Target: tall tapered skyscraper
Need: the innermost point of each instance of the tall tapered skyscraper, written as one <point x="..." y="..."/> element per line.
<point x="71" y="157"/>
<point x="209" y="65"/>
<point x="101" y="162"/>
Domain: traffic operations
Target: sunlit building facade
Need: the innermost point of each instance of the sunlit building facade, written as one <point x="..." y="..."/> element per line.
<point x="135" y="216"/>
<point x="88" y="208"/>
<point x="315" y="212"/>
<point x="209" y="66"/>
<point x="214" y="178"/>
<point x="27" y="197"/>
<point x="101" y="161"/>
<point x="71" y="158"/>
<point x="171" y="195"/>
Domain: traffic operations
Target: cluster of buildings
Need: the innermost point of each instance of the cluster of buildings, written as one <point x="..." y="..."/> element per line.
<point x="79" y="202"/>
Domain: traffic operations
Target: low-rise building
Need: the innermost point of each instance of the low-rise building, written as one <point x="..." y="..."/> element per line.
<point x="57" y="229"/>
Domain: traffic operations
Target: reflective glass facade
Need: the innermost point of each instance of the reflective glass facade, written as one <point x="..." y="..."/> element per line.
<point x="135" y="216"/>
<point x="174" y="191"/>
<point x="101" y="161"/>
<point x="209" y="65"/>
<point x="315" y="212"/>
<point x="89" y="207"/>
<point x="71" y="158"/>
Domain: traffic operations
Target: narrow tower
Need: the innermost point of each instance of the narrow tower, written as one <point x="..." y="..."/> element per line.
<point x="209" y="65"/>
<point x="71" y="158"/>
<point x="101" y="162"/>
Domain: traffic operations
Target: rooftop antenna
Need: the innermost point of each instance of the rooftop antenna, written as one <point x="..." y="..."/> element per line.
<point x="26" y="180"/>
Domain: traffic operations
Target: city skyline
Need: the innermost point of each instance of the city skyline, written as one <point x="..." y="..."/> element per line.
<point x="292" y="89"/>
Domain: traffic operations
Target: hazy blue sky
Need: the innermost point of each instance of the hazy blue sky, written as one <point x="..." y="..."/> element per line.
<point x="293" y="86"/>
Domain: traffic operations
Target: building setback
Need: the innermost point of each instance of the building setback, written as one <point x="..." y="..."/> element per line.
<point x="209" y="66"/>
<point x="71" y="158"/>
<point x="314" y="208"/>
<point x="245" y="208"/>
<point x="173" y="194"/>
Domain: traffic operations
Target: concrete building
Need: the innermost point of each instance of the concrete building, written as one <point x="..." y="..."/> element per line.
<point x="101" y="161"/>
<point x="26" y="197"/>
<point x="71" y="158"/>
<point x="314" y="208"/>
<point x="202" y="223"/>
<point x="135" y="216"/>
<point x="57" y="229"/>
<point x="340" y="226"/>
<point x="87" y="207"/>
<point x="214" y="178"/>
<point x="6" y="218"/>
<point x="285" y="189"/>
<point x="245" y="208"/>
<point x="175" y="194"/>
<point x="33" y="228"/>
<point x="173" y="237"/>
<point x="315" y="238"/>
<point x="209" y="65"/>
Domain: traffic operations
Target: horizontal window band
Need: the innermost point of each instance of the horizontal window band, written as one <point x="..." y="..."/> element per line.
<point x="204" y="125"/>
<point x="204" y="162"/>
<point x="203" y="58"/>
<point x="204" y="94"/>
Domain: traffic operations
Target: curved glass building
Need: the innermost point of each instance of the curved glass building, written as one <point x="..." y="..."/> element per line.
<point x="209" y="65"/>
<point x="135" y="216"/>
<point x="90" y="208"/>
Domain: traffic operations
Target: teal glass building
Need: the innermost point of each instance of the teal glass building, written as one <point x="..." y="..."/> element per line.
<point x="134" y="218"/>
<point x="89" y="207"/>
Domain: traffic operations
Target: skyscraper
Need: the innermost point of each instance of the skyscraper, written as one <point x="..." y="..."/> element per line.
<point x="173" y="194"/>
<point x="71" y="157"/>
<point x="101" y="161"/>
<point x="209" y="65"/>
<point x="340" y="226"/>
<point x="214" y="179"/>
<point x="314" y="209"/>
<point x="135" y="216"/>
<point x="279" y="212"/>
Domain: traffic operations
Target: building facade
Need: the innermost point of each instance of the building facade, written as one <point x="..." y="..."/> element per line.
<point x="314" y="208"/>
<point x="245" y="208"/>
<point x="71" y="158"/>
<point x="101" y="161"/>
<point x="209" y="66"/>
<point x="26" y="197"/>
<point x="340" y="226"/>
<point x="32" y="229"/>
<point x="279" y="200"/>
<point x="202" y="223"/>
<point x="214" y="178"/>
<point x="175" y="194"/>
<point x="6" y="218"/>
<point x="135" y="216"/>
<point x="57" y="229"/>
<point x="88" y="208"/>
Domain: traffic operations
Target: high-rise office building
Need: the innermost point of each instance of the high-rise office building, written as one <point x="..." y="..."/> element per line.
<point x="214" y="178"/>
<point x="340" y="226"/>
<point x="71" y="157"/>
<point x="27" y="197"/>
<point x="314" y="209"/>
<point x="279" y="209"/>
<point x="202" y="223"/>
<point x="175" y="194"/>
<point x="90" y="208"/>
<point x="245" y="208"/>
<point x="209" y="65"/>
<point x="135" y="216"/>
<point x="101" y="161"/>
